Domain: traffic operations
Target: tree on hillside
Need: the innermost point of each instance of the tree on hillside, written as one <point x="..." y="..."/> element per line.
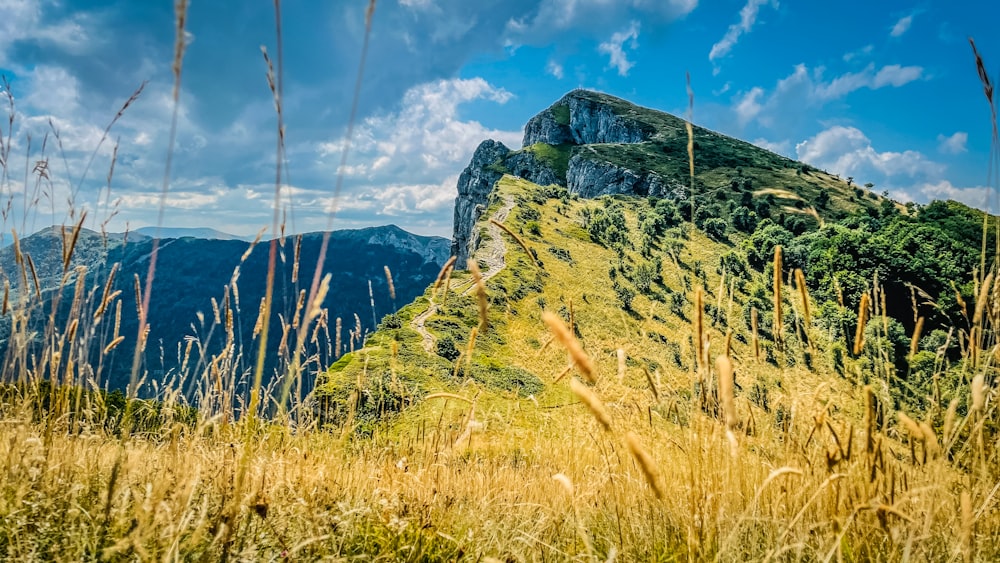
<point x="823" y="199"/>
<point x="716" y="228"/>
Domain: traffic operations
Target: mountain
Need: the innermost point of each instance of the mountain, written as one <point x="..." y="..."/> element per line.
<point x="198" y="280"/>
<point x="194" y="232"/>
<point x="594" y="144"/>
<point x="801" y="279"/>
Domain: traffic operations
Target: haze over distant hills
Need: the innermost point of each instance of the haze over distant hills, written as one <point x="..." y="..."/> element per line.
<point x="195" y="232"/>
<point x="196" y="276"/>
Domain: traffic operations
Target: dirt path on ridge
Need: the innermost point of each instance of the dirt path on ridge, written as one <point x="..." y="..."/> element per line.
<point x="492" y="254"/>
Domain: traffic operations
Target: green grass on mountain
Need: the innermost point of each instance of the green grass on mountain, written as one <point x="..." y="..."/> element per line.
<point x="555" y="156"/>
<point x="625" y="275"/>
<point x="729" y="172"/>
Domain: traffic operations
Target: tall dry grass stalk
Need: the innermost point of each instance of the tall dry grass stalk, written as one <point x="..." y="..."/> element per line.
<point x="477" y="280"/>
<point x="392" y="286"/>
<point x="646" y="463"/>
<point x="859" y="335"/>
<point x="520" y="242"/>
<point x="444" y="271"/>
<point x="726" y="374"/>
<point x="915" y="339"/>
<point x="753" y="330"/>
<point x="698" y="335"/>
<point x="800" y="282"/>
<point x="592" y="402"/>
<point x="777" y="296"/>
<point x="572" y="345"/>
<point x="689" y="127"/>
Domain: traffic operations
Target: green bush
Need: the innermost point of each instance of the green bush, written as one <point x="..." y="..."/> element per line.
<point x="446" y="348"/>
<point x="716" y="228"/>
<point x="391" y="321"/>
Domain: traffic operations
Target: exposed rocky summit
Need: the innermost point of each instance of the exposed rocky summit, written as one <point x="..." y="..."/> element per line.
<point x="579" y="118"/>
<point x="583" y="118"/>
<point x="594" y="145"/>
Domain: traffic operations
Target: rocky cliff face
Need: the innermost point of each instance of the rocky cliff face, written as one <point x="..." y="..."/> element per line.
<point x="474" y="187"/>
<point x="582" y="118"/>
<point x="593" y="178"/>
<point x="524" y="164"/>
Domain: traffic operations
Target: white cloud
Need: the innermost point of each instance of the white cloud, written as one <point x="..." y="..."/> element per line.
<point x="26" y="21"/>
<point x="749" y="105"/>
<point x="896" y="76"/>
<point x="52" y="89"/>
<point x="748" y="17"/>
<point x="862" y="52"/>
<point x="901" y="26"/>
<point x="807" y="87"/>
<point x="975" y="196"/>
<point x="590" y="16"/>
<point x="953" y="144"/>
<point x="615" y="48"/>
<point x="407" y="162"/>
<point x="907" y="175"/>
<point x="417" y="4"/>
<point x="555" y="69"/>
<point x="849" y="152"/>
<point x="779" y="147"/>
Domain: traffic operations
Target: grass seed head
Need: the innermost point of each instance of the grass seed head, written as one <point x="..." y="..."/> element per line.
<point x="592" y="402"/>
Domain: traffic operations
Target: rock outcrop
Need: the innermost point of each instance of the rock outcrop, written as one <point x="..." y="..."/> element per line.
<point x="524" y="164"/>
<point x="474" y="187"/>
<point x="579" y="118"/>
<point x="583" y="118"/>
<point x="591" y="178"/>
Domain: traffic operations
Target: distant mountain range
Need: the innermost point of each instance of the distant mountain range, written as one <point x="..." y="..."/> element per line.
<point x="192" y="271"/>
<point x="194" y="232"/>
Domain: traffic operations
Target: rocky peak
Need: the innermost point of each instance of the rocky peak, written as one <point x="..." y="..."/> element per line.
<point x="474" y="188"/>
<point x="583" y="117"/>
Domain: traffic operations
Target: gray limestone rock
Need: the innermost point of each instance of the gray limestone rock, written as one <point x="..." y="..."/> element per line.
<point x="591" y="178"/>
<point x="474" y="188"/>
<point x="581" y="118"/>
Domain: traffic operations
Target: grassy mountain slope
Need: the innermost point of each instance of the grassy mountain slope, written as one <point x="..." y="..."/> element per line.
<point x="725" y="167"/>
<point x="811" y="446"/>
<point x="577" y="273"/>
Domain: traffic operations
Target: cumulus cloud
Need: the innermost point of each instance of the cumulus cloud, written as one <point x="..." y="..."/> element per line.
<point x="953" y="144"/>
<point x="748" y="106"/>
<point x="780" y="147"/>
<point x="592" y="17"/>
<point x="848" y="151"/>
<point x="426" y="141"/>
<point x="901" y="26"/>
<point x="748" y="17"/>
<point x="808" y="87"/>
<point x="908" y="175"/>
<point x="975" y="196"/>
<point x="30" y="21"/>
<point x="615" y="48"/>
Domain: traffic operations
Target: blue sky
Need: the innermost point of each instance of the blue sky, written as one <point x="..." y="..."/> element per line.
<point x="886" y="92"/>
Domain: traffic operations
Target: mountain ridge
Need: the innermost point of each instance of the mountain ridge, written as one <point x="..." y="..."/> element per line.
<point x="595" y="144"/>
